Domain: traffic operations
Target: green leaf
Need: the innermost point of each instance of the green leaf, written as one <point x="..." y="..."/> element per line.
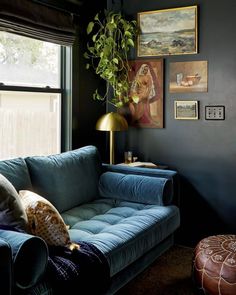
<point x="106" y="50"/>
<point x="90" y="27"/>
<point x="96" y="17"/>
<point x="97" y="96"/>
<point x="91" y="49"/>
<point x="94" y="37"/>
<point x="87" y="66"/>
<point x="126" y="99"/>
<point x="119" y="104"/>
<point x="130" y="42"/>
<point x="86" y="55"/>
<point x="111" y="26"/>
<point x="128" y="34"/>
<point x="135" y="98"/>
<point x="115" y="60"/>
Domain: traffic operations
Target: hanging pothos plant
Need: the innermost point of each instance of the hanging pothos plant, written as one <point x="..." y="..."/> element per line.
<point x="112" y="38"/>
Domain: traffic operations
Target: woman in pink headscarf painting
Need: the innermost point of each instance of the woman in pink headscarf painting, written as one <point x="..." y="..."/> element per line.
<point x="144" y="92"/>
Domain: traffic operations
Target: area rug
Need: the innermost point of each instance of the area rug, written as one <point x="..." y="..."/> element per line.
<point x="170" y="274"/>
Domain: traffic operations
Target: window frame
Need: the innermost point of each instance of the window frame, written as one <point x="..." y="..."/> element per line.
<point x="65" y="91"/>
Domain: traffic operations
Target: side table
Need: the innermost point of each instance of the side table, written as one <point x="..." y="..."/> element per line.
<point x="144" y="165"/>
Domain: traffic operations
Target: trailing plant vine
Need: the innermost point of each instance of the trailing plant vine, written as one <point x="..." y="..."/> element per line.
<point x="107" y="53"/>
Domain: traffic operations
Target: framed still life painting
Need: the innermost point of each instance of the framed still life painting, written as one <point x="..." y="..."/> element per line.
<point x="188" y="76"/>
<point x="168" y="32"/>
<point x="145" y="107"/>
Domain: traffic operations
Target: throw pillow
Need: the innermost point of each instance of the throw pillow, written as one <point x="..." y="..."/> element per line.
<point x="44" y="220"/>
<point x="12" y="212"/>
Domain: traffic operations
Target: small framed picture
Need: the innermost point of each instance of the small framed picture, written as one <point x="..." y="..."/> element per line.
<point x="186" y="110"/>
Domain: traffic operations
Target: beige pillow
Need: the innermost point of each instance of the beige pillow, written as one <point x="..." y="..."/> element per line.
<point x="44" y="220"/>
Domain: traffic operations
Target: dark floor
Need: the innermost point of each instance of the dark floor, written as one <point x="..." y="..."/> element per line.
<point x="170" y="274"/>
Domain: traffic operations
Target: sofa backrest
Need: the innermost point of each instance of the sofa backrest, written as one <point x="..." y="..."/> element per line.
<point x="16" y="171"/>
<point x="67" y="179"/>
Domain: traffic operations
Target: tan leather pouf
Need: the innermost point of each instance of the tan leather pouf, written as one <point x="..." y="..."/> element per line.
<point x="214" y="266"/>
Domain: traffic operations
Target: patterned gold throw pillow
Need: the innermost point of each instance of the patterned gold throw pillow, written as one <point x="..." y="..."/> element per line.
<point x="44" y="220"/>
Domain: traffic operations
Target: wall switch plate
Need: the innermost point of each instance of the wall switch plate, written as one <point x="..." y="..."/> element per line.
<point x="215" y="112"/>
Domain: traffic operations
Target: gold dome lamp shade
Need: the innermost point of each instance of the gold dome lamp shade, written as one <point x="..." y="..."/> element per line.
<point x="112" y="122"/>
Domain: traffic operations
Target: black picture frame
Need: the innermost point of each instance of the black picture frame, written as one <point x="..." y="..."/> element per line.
<point x="211" y="112"/>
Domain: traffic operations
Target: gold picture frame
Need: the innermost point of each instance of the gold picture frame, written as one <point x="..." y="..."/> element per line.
<point x="188" y="76"/>
<point x="168" y="32"/>
<point x="186" y="110"/>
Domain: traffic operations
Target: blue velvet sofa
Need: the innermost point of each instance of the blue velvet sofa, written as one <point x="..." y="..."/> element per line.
<point x="126" y="212"/>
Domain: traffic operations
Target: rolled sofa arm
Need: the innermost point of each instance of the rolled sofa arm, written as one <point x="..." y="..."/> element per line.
<point x="29" y="257"/>
<point x="152" y="172"/>
<point x="136" y="188"/>
<point x="5" y="268"/>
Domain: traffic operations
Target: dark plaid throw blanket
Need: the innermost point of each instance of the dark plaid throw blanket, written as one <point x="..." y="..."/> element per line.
<point x="84" y="271"/>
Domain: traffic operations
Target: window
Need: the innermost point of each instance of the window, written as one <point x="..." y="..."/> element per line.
<point x="30" y="96"/>
<point x="28" y="62"/>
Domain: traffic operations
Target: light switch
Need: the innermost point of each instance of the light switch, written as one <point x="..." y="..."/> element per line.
<point x="215" y="112"/>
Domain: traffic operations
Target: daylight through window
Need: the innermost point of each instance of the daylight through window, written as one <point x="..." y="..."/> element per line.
<point x="30" y="97"/>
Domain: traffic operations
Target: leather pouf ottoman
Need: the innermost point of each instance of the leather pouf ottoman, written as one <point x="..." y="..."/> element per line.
<point x="214" y="266"/>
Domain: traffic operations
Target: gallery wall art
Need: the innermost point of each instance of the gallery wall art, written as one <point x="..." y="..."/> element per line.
<point x="168" y="32"/>
<point x="145" y="108"/>
<point x="186" y="110"/>
<point x="188" y="76"/>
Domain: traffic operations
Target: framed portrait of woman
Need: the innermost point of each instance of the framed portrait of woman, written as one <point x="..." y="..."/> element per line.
<point x="146" y="93"/>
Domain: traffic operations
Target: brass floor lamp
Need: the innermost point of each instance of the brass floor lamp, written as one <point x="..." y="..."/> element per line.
<point x="112" y="122"/>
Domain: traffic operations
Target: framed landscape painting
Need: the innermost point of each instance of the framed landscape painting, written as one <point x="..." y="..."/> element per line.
<point x="168" y="32"/>
<point x="186" y="110"/>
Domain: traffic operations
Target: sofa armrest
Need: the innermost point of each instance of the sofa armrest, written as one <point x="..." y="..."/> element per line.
<point x="136" y="188"/>
<point x="29" y="255"/>
<point x="152" y="172"/>
<point x="5" y="267"/>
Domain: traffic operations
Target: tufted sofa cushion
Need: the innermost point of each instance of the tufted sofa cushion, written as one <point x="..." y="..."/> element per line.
<point x="122" y="230"/>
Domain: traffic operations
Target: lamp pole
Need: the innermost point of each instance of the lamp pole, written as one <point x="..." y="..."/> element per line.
<point x="112" y="150"/>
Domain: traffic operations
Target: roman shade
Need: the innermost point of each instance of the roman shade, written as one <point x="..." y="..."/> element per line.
<point x="30" y="19"/>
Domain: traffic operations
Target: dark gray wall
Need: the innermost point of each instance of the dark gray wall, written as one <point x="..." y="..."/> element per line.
<point x="203" y="152"/>
<point x="86" y="111"/>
